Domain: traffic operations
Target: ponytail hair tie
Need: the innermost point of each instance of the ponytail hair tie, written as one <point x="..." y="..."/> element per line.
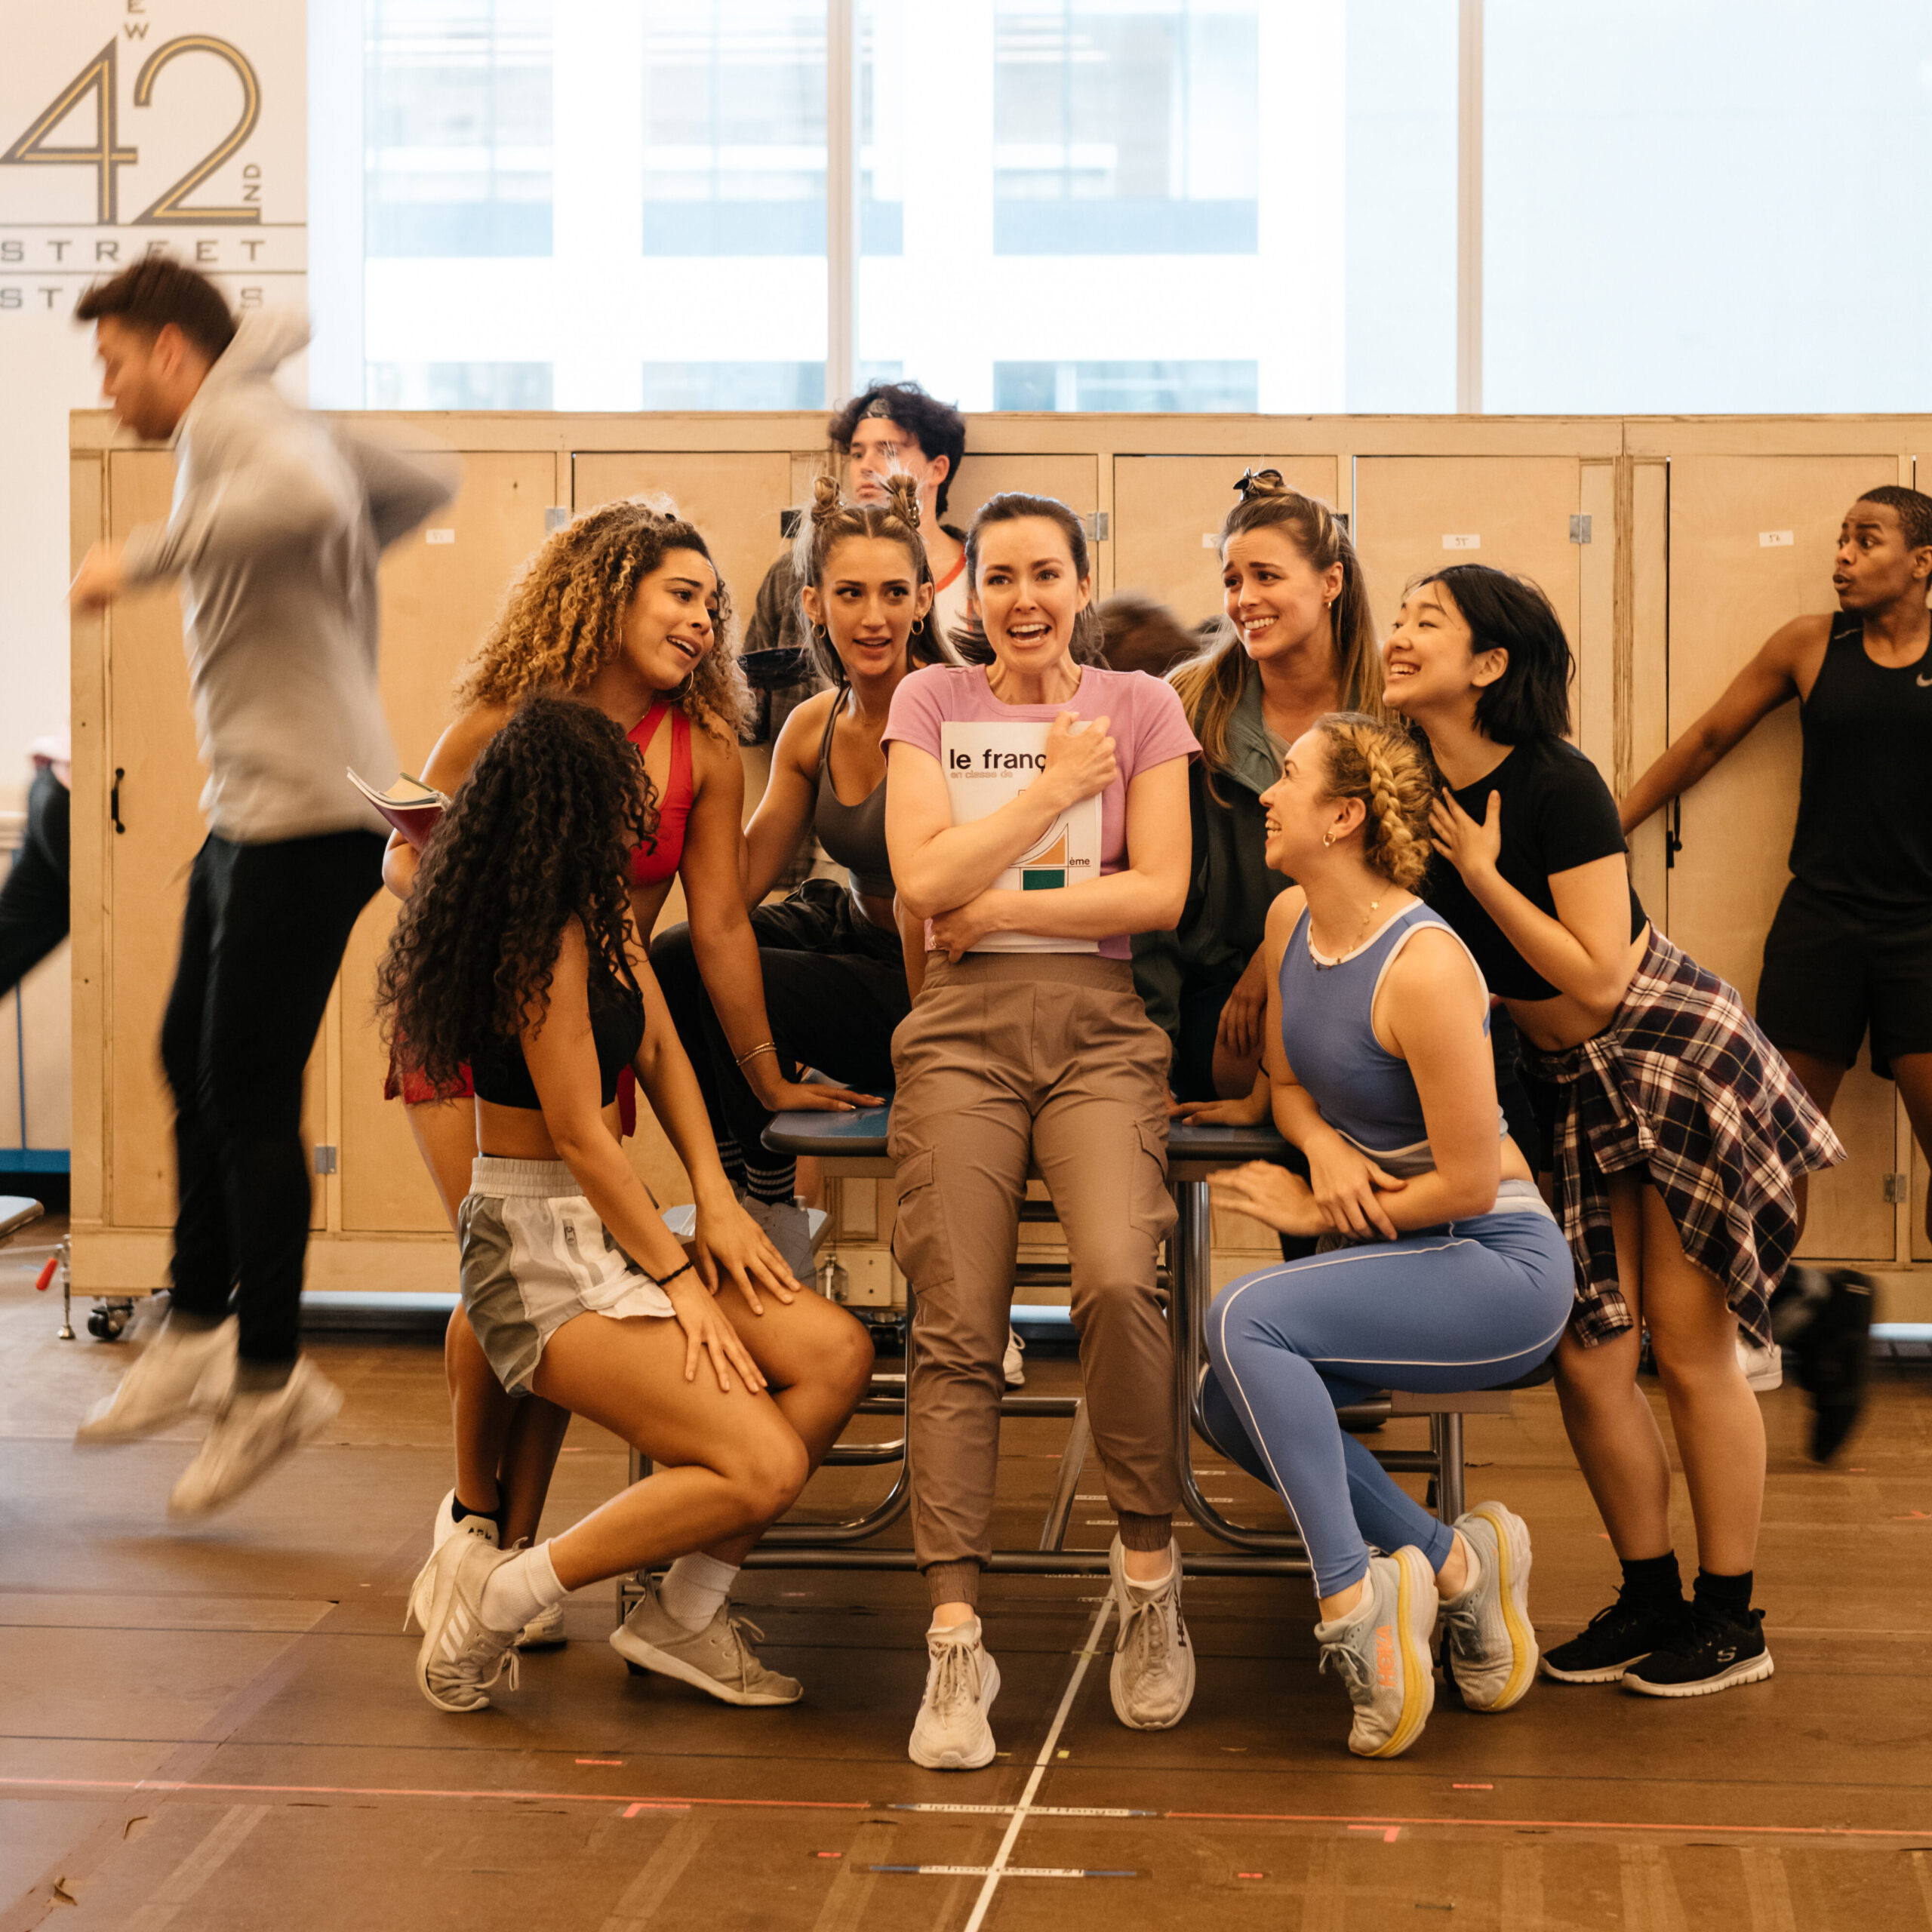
<point x="1260" y="483"/>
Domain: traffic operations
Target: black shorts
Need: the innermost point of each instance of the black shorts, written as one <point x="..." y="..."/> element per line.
<point x="1831" y="972"/>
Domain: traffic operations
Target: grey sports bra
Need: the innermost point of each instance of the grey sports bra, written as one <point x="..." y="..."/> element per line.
<point x="853" y="835"/>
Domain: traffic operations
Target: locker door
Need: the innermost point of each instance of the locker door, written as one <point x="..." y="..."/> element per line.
<point x="150" y="742"/>
<point x="1730" y="588"/>
<point x="1168" y="515"/>
<point x="438" y="600"/>
<point x="1075" y="480"/>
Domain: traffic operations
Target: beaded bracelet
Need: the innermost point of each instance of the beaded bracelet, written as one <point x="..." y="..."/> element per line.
<point x="665" y="1280"/>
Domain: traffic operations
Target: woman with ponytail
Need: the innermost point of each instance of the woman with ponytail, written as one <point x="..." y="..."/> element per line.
<point x="1298" y="641"/>
<point x="1679" y="1133"/>
<point x="1442" y="1268"/>
<point x="832" y="961"/>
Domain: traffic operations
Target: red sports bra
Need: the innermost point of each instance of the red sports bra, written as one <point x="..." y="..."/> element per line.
<point x="652" y="865"/>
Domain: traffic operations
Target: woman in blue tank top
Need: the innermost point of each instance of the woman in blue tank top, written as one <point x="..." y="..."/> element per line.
<point x="1440" y="1269"/>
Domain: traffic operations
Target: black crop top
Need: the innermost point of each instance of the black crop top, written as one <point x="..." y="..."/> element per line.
<point x="502" y="1076"/>
<point x="1557" y="813"/>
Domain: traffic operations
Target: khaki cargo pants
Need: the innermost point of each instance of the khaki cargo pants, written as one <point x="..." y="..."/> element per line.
<point x="1009" y="1061"/>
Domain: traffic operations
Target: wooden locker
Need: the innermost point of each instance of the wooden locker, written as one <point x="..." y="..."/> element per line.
<point x="1074" y="479"/>
<point x="152" y="761"/>
<point x="1751" y="543"/>
<point x="438" y="598"/>
<point x="1168" y="515"/>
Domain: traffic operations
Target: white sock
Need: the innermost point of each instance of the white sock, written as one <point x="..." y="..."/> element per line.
<point x="1151" y="1586"/>
<point x="967" y="1633"/>
<point x="693" y="1587"/>
<point x="523" y="1588"/>
<point x="1472" y="1578"/>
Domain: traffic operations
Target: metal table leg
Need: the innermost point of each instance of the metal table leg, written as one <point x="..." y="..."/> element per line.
<point x="1073" y="1460"/>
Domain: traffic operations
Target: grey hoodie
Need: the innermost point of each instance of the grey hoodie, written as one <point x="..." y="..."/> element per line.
<point x="278" y="524"/>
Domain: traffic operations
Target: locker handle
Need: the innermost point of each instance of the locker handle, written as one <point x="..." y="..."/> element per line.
<point x="1673" y="828"/>
<point x="114" y="798"/>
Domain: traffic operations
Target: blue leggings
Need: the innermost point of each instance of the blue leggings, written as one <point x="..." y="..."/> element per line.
<point x="1470" y="1305"/>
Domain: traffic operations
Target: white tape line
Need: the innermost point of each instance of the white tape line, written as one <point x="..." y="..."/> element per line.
<point x="197" y="1868"/>
<point x="997" y="1870"/>
<point x="1039" y="1811"/>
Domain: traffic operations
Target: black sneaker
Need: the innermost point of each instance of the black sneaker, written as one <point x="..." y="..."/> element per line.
<point x="1838" y="1348"/>
<point x="1614" y="1639"/>
<point x="1714" y="1652"/>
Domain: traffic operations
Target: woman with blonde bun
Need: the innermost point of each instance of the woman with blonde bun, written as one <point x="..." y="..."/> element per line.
<point x="1441" y="1267"/>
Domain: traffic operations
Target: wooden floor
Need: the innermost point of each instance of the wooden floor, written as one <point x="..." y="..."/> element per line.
<point x="219" y="1730"/>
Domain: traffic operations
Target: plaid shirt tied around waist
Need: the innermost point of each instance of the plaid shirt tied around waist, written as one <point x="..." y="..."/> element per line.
<point x="1682" y="1084"/>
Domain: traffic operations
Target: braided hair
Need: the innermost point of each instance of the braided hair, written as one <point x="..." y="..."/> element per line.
<point x="1378" y="762"/>
<point x="830" y="524"/>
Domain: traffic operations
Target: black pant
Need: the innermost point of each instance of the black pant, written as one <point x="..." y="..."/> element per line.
<point x="262" y="938"/>
<point x="33" y="901"/>
<point x="835" y="988"/>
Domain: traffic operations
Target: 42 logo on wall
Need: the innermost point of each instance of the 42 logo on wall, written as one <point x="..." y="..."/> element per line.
<point x="131" y="133"/>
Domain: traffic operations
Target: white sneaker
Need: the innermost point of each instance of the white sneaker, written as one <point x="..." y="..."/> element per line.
<point x="1381" y="1652"/>
<point x="254" y="1432"/>
<point x="460" y="1656"/>
<point x="717" y="1659"/>
<point x="1492" y="1647"/>
<point x="1013" y="1366"/>
<point x="951" y="1733"/>
<point x="788" y="1228"/>
<point x="1764" y="1368"/>
<point x="1152" y="1677"/>
<point x="544" y="1631"/>
<point x="182" y="1372"/>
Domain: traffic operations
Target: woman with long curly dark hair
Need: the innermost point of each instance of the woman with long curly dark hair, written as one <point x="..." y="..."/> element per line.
<point x="518" y="956"/>
<point x="624" y="608"/>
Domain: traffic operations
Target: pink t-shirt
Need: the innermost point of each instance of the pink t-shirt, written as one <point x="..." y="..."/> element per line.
<point x="1144" y="719"/>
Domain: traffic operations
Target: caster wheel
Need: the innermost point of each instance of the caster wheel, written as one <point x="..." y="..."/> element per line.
<point x="106" y="1324"/>
<point x="635" y="1669"/>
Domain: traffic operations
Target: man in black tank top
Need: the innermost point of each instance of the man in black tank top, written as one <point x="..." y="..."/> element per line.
<point x="1850" y="949"/>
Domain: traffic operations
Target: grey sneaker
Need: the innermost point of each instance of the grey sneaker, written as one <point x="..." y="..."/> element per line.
<point x="788" y="1228"/>
<point x="1381" y="1652"/>
<point x="544" y="1631"/>
<point x="951" y="1733"/>
<point x="1492" y="1647"/>
<point x="254" y="1432"/>
<point x="460" y="1656"/>
<point x="717" y="1659"/>
<point x="1152" y="1677"/>
<point x="182" y="1372"/>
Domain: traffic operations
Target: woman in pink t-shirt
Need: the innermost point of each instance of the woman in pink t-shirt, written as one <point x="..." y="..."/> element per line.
<point x="1041" y="1058"/>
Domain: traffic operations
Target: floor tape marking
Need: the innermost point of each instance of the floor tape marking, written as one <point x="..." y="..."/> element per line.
<point x="990" y="1872"/>
<point x="1368" y="1822"/>
<point x="1039" y="1811"/>
<point x="403" y="1791"/>
<point x="998" y="1868"/>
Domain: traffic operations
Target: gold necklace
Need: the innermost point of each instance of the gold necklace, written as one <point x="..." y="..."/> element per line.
<point x="1326" y="965"/>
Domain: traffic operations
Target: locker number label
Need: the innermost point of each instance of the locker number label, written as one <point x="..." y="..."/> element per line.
<point x="439" y="535"/>
<point x="1774" y="539"/>
<point x="1469" y="540"/>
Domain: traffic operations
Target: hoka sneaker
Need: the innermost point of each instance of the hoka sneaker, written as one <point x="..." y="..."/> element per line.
<point x="460" y="1656"/>
<point x="255" y="1430"/>
<point x="1381" y="1652"/>
<point x="1492" y="1647"/>
<point x="1713" y="1651"/>
<point x="1152" y="1677"/>
<point x="717" y="1659"/>
<point x="182" y="1372"/>
<point x="1614" y="1639"/>
<point x="951" y="1733"/>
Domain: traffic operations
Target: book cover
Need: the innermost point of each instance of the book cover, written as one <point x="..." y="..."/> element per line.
<point x="409" y="806"/>
<point x="986" y="765"/>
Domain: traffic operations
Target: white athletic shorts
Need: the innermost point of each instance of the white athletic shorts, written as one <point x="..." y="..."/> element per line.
<point x="535" y="1255"/>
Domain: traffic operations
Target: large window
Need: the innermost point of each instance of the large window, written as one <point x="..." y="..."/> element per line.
<point x="457" y="113"/>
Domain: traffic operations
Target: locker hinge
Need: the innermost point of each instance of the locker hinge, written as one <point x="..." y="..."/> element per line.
<point x="325" y="1160"/>
<point x="556" y="515"/>
<point x="1579" y="530"/>
<point x="1898" y="1187"/>
<point x="1096" y="525"/>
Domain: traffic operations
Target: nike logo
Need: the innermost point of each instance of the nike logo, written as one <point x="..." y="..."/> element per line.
<point x="1924" y="679"/>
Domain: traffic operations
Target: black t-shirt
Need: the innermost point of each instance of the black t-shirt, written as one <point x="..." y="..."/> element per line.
<point x="1557" y="813"/>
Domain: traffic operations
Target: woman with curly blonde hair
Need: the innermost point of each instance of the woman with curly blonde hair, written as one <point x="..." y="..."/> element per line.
<point x="623" y="609"/>
<point x="1443" y="1267"/>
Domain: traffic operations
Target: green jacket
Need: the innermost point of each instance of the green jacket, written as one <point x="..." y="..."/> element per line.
<point x="1230" y="888"/>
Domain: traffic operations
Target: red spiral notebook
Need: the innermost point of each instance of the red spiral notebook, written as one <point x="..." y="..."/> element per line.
<point x="411" y="807"/>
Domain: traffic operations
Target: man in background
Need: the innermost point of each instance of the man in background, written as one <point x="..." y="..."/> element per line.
<point x="276" y="530"/>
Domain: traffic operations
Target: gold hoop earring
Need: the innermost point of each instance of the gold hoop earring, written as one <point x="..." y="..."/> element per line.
<point x="1327" y="839"/>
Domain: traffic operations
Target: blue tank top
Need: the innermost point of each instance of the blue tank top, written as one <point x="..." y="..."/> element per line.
<point x="1364" y="1092"/>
